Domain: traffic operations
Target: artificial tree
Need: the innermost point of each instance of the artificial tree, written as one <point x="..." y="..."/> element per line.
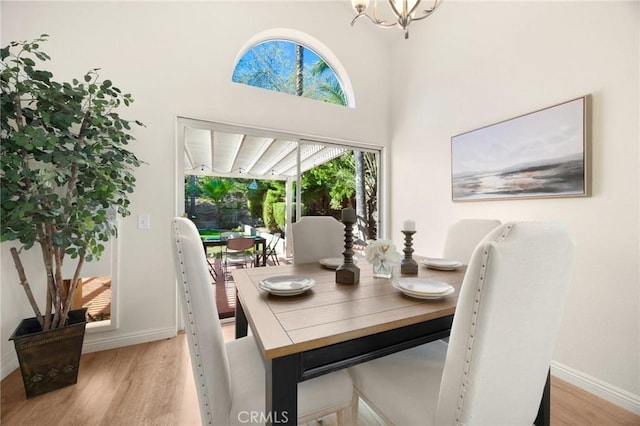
<point x="66" y="172"/>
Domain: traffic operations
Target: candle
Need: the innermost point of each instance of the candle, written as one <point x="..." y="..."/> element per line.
<point x="349" y="215"/>
<point x="409" y="225"/>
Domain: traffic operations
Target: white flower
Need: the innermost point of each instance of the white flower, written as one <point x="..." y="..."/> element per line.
<point x="382" y="251"/>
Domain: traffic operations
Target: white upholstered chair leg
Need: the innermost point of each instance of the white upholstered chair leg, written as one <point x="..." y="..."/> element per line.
<point x="355" y="405"/>
<point x="345" y="416"/>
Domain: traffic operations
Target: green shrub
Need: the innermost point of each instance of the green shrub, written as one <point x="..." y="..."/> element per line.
<point x="279" y="210"/>
<point x="270" y="199"/>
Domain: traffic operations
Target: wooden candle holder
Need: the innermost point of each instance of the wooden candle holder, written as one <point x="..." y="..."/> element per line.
<point x="348" y="272"/>
<point x="408" y="264"/>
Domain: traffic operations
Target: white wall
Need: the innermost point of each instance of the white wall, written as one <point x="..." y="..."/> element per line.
<point x="476" y="63"/>
<point x="177" y="58"/>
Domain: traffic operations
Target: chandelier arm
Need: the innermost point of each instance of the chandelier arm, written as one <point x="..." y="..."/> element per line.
<point x="395" y="10"/>
<point x="377" y="22"/>
<point x="359" y="15"/>
<point x="427" y="12"/>
<point x="383" y="24"/>
<point x="404" y="18"/>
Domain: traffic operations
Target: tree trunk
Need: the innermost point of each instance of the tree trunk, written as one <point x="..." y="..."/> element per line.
<point x="25" y="284"/>
<point x="360" y="193"/>
<point x="299" y="63"/>
<point x="192" y="196"/>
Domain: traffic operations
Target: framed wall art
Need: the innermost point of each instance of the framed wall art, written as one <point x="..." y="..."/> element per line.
<point x="537" y="155"/>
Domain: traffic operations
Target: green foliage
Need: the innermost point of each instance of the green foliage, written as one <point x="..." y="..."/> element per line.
<point x="66" y="171"/>
<point x="255" y="197"/>
<point x="215" y="189"/>
<point x="279" y="210"/>
<point x="273" y="197"/>
<point x="272" y="65"/>
<point x="334" y="178"/>
<point x="330" y="90"/>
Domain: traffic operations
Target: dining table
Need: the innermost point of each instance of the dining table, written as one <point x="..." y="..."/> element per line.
<point x="333" y="326"/>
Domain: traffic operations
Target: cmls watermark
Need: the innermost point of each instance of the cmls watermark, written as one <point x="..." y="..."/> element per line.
<point x="260" y="417"/>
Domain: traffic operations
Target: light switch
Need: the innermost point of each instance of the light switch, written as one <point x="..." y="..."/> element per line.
<point x="144" y="221"/>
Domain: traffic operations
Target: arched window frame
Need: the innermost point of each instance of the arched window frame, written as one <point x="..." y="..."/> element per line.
<point x="309" y="42"/>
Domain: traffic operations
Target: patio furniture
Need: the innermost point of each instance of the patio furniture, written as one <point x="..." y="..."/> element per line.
<point x="238" y="252"/>
<point x="211" y="266"/>
<point x="230" y="377"/>
<point x="503" y="334"/>
<point x="271" y="251"/>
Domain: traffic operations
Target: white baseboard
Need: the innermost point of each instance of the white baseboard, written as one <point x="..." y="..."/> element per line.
<point x="10" y="361"/>
<point x="606" y="391"/>
<point x="8" y="364"/>
<point x="121" y="340"/>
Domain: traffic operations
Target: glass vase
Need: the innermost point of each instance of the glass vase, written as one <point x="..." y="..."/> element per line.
<point x="382" y="269"/>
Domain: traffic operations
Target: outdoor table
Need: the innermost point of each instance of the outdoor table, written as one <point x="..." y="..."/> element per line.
<point x="260" y="245"/>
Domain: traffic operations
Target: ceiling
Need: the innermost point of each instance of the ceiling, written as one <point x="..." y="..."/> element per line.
<point x="216" y="153"/>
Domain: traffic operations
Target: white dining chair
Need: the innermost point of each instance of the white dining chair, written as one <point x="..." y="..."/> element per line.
<point x="464" y="235"/>
<point x="230" y="377"/>
<point x="317" y="237"/>
<point x="507" y="318"/>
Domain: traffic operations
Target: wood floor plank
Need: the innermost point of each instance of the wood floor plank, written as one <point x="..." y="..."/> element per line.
<point x="152" y="384"/>
<point x="569" y="403"/>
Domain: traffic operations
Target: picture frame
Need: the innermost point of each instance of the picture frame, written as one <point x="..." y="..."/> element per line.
<point x="542" y="154"/>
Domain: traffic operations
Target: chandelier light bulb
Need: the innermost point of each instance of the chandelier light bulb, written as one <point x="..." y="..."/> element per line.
<point x="360" y="5"/>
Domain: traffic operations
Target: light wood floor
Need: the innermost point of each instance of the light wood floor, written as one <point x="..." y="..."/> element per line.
<point x="151" y="384"/>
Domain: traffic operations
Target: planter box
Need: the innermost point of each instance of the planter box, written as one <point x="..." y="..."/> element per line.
<point x="49" y="360"/>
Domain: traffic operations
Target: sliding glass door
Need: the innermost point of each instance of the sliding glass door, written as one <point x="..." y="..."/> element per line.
<point x="251" y="181"/>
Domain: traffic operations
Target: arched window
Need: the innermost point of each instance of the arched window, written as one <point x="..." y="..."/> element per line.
<point x="283" y="65"/>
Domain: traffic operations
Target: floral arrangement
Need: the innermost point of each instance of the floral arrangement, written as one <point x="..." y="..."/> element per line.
<point x="382" y="251"/>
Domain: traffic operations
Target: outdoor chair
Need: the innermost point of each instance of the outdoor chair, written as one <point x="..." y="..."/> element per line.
<point x="238" y="252"/>
<point x="271" y="249"/>
<point x="212" y="267"/>
<point x="507" y="318"/>
<point x="230" y="377"/>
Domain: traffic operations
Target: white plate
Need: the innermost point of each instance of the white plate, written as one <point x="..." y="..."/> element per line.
<point x="287" y="285"/>
<point x="423" y="287"/>
<point x="422" y="295"/>
<point x="443" y="264"/>
<point x="333" y="262"/>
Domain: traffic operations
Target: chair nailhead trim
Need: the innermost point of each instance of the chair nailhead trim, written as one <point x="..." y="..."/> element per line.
<point x="185" y="287"/>
<point x="466" y="380"/>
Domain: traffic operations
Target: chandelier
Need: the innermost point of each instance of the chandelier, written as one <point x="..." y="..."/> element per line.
<point x="405" y="12"/>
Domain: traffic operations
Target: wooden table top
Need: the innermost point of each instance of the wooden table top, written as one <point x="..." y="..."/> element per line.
<point x="330" y="312"/>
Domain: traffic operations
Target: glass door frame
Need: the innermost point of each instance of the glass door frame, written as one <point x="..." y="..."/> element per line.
<point x="184" y="122"/>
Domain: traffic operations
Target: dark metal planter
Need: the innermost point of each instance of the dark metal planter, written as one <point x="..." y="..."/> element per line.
<point x="49" y="360"/>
